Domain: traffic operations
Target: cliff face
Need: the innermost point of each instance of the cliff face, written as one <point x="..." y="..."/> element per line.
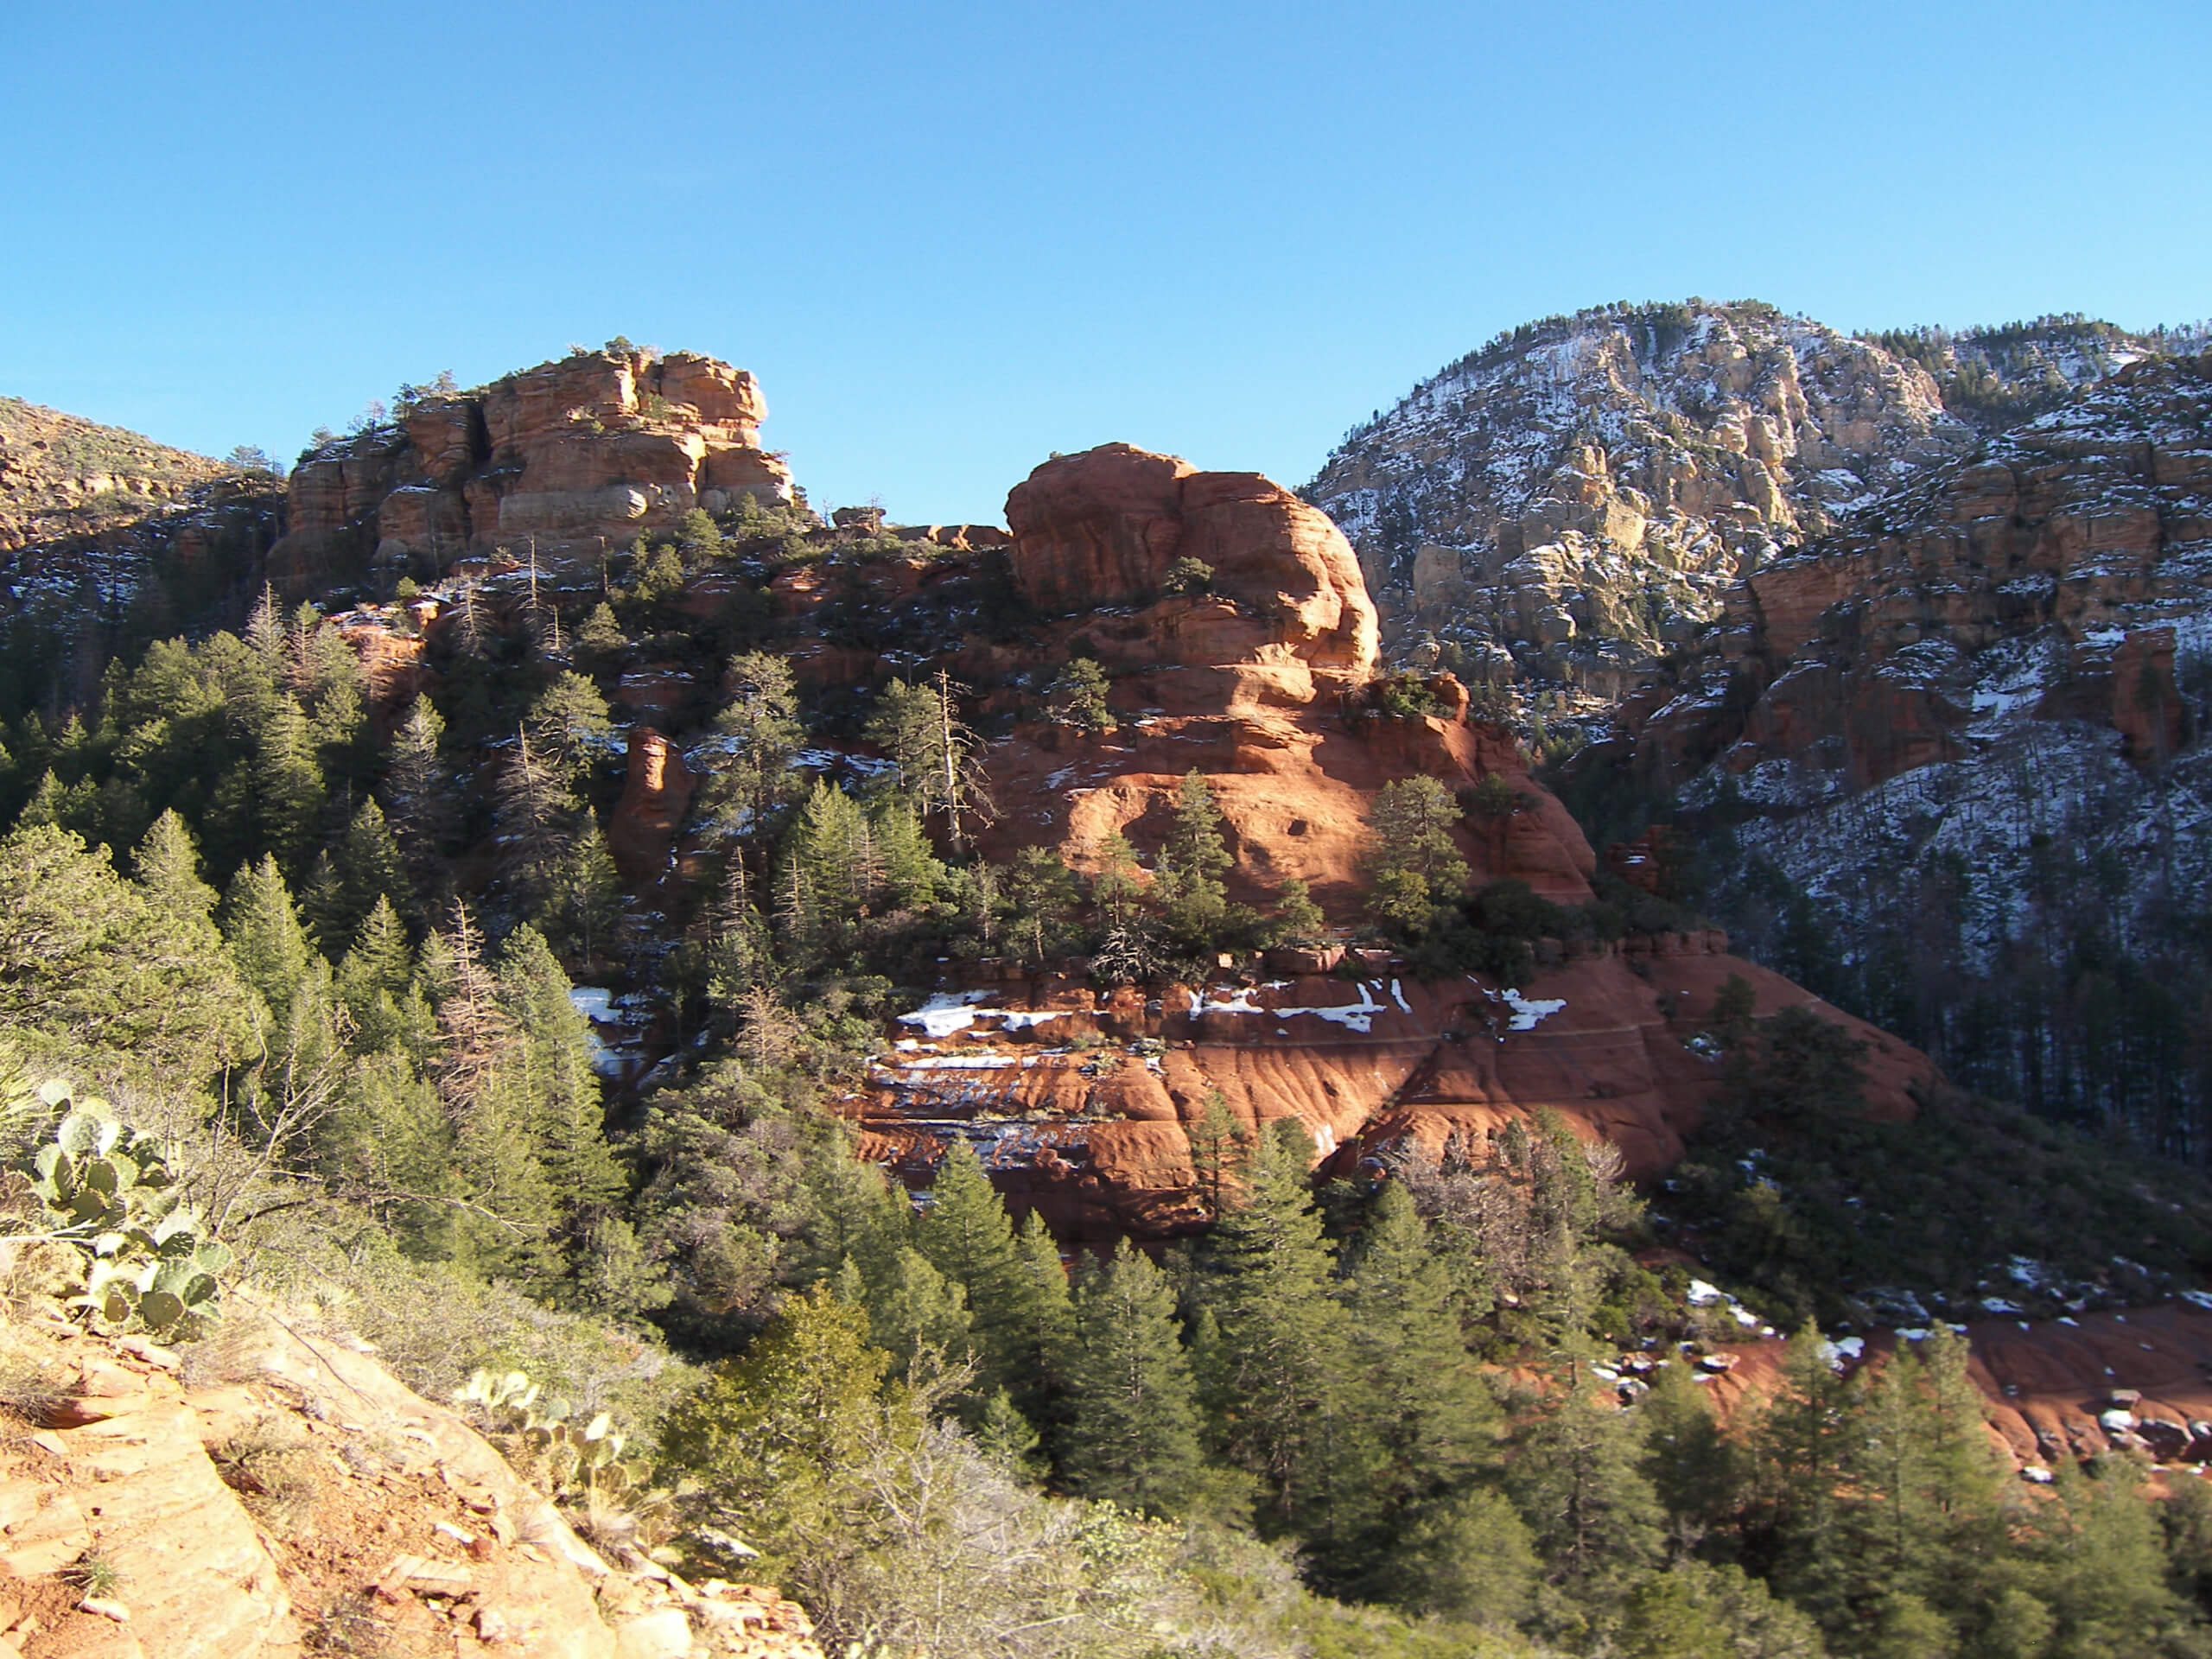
<point x="564" y="460"/>
<point x="61" y="475"/>
<point x="1082" y="1100"/>
<point x="1572" y="500"/>
<point x="1569" y="506"/>
<point x="1969" y="726"/>
<point x="104" y="532"/>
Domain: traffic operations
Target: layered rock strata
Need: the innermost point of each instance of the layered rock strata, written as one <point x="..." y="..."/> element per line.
<point x="557" y="463"/>
<point x="1083" y="1100"/>
<point x="1571" y="502"/>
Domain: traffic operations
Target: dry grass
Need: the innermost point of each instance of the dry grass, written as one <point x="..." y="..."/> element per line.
<point x="274" y="1468"/>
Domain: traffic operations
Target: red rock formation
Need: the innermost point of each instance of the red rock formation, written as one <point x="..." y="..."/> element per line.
<point x="2079" y="528"/>
<point x="564" y="460"/>
<point x="656" y="793"/>
<point x="423" y="1541"/>
<point x="1257" y="688"/>
<point x="1103" y="528"/>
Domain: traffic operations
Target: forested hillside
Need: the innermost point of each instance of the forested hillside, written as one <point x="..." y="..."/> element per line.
<point x="510" y="949"/>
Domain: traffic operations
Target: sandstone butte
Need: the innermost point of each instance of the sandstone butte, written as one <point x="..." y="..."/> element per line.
<point x="558" y="463"/>
<point x="423" y="1539"/>
<point x="1260" y="686"/>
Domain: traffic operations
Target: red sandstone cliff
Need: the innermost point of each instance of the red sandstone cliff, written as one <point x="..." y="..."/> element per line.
<point x="563" y="460"/>
<point x="1255" y="686"/>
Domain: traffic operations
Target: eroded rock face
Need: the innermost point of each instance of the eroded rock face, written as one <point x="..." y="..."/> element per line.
<point x="413" y="1530"/>
<point x="656" y="791"/>
<point x="2044" y="583"/>
<point x="1096" y="1136"/>
<point x="1103" y="528"/>
<point x="1572" y="501"/>
<point x="562" y="461"/>
<point x="1231" y="685"/>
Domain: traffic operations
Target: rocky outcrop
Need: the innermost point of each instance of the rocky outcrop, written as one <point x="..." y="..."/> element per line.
<point x="1571" y="502"/>
<point x="393" y="1524"/>
<point x="1567" y="509"/>
<point x="61" y="474"/>
<point x="2044" y="579"/>
<point x="655" y="792"/>
<point x="562" y="461"/>
<point x="1084" y="1100"/>
<point x="1282" y="601"/>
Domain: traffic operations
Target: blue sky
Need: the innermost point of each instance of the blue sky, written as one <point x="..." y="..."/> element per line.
<point x="953" y="239"/>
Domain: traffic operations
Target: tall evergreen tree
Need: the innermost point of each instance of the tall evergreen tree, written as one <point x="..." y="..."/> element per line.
<point x="1432" y="1418"/>
<point x="267" y="942"/>
<point x="967" y="1236"/>
<point x="1279" y="1368"/>
<point x="418" y="794"/>
<point x="167" y="868"/>
<point x="1802" y="1443"/>
<point x="1133" y="1427"/>
<point x="375" y="985"/>
<point x="287" y="783"/>
<point x="1189" y="885"/>
<point x="1574" y="1476"/>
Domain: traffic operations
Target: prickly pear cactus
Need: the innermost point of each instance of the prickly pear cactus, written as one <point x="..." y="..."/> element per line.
<point x="583" y="1469"/>
<point x="105" y="1193"/>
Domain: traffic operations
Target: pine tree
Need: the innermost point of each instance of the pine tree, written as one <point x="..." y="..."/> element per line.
<point x="917" y="1315"/>
<point x="287" y="783"/>
<point x="780" y="1437"/>
<point x="536" y="820"/>
<point x="1279" y="1375"/>
<point x="1115" y="890"/>
<point x="830" y="873"/>
<point x="375" y="985"/>
<point x="1041" y="1324"/>
<point x="348" y="880"/>
<point x="1698" y="1471"/>
<point x="1926" y="1482"/>
<point x="1040" y="899"/>
<point x="296" y="1008"/>
<point x="939" y="759"/>
<point x="569" y="728"/>
<point x="1192" y="864"/>
<point x="854" y="1212"/>
<point x="1078" y="696"/>
<point x="908" y="868"/>
<point x="87" y="959"/>
<point x="967" y="1236"/>
<point x="601" y="642"/>
<point x="1802" y="1445"/>
<point x="1412" y="859"/>
<point x="418" y="794"/>
<point x="556" y="1091"/>
<point x="759" y="731"/>
<point x="1297" y="920"/>
<point x="167" y="868"/>
<point x="267" y="942"/>
<point x="1573" y="1477"/>
<point x="1218" y="1147"/>
<point x="1433" y="1417"/>
<point x="1133" y="1421"/>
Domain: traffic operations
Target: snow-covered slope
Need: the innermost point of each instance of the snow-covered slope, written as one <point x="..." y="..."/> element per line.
<point x="1572" y="500"/>
<point x="1959" y="750"/>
